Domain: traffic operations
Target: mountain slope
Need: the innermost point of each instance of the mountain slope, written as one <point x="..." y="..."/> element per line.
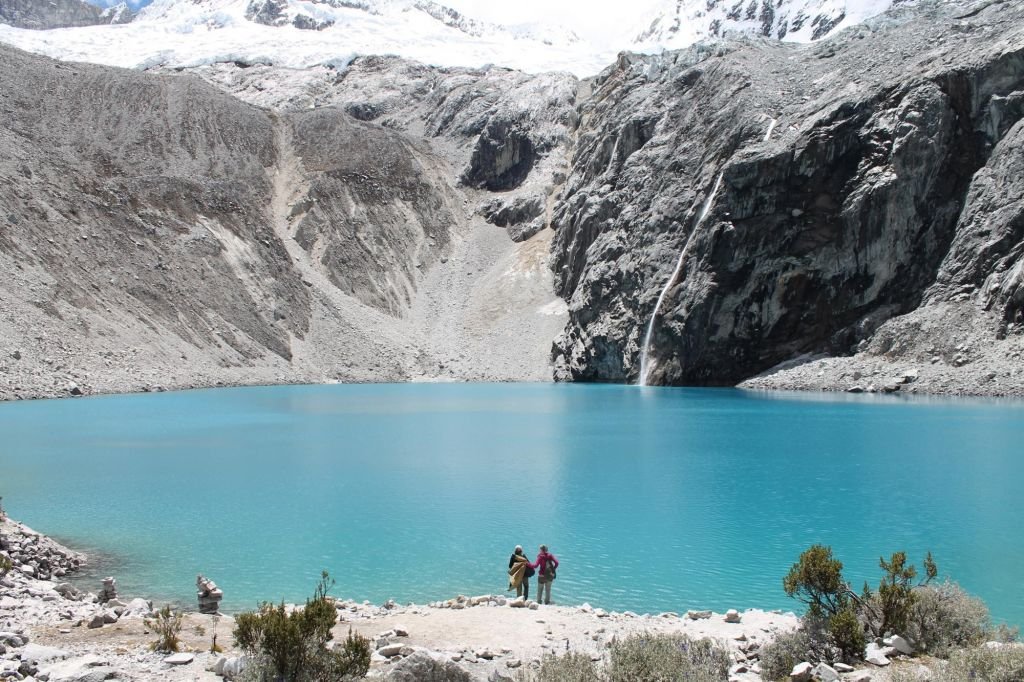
<point x="155" y="230"/>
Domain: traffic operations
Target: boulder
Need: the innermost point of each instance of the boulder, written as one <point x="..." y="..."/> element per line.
<point x="801" y="672"/>
<point x="732" y="616"/>
<point x="137" y="608"/>
<point x="180" y="659"/>
<point x="37" y="653"/>
<point x="389" y="650"/>
<point x="12" y="639"/>
<point x="825" y="673"/>
<point x="97" y="621"/>
<point x="234" y="666"/>
<point x="875" y="655"/>
<point x="899" y="644"/>
<point x="424" y="665"/>
<point x="698" y="615"/>
<point x="217" y="667"/>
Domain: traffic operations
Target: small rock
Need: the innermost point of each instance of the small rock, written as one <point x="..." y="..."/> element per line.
<point x="698" y="615"/>
<point x="97" y="621"/>
<point x="843" y="668"/>
<point x="732" y="616"/>
<point x="860" y="676"/>
<point x="179" y="659"/>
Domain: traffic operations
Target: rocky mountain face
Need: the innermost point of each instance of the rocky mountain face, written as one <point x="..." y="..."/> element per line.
<point x="866" y="179"/>
<point x="37" y="14"/>
<point x="158" y="231"/>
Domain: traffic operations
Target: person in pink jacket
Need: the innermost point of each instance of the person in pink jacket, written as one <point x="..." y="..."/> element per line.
<point x="546" y="564"/>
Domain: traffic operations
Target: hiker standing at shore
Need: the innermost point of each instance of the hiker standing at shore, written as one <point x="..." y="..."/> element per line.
<point x="546" y="564"/>
<point x="519" y="573"/>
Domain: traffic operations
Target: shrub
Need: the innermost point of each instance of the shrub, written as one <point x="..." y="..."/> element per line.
<point x="779" y="656"/>
<point x="570" y="667"/>
<point x="291" y="647"/>
<point x="847" y="634"/>
<point x="944" y="617"/>
<point x="5" y="566"/>
<point x="1002" y="664"/>
<point x="167" y="625"/>
<point x="665" y="657"/>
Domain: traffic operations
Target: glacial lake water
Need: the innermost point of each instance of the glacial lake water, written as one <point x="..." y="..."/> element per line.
<point x="653" y="499"/>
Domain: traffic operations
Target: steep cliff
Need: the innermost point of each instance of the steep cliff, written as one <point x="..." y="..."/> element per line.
<point x="858" y="178"/>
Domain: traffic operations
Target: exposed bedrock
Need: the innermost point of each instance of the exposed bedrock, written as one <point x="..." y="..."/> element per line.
<point x="861" y="177"/>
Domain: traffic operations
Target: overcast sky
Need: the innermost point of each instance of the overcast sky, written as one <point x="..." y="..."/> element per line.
<point x="594" y="20"/>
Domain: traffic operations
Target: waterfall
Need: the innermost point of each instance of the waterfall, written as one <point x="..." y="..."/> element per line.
<point x="771" y="127"/>
<point x="645" y="348"/>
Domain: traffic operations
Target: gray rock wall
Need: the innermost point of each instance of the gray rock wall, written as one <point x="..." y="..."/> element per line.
<point x="837" y="220"/>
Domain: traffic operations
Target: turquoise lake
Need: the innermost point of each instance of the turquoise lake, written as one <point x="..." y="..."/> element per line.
<point x="653" y="499"/>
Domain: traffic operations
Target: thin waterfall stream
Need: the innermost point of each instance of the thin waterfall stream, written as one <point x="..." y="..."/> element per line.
<point x="645" y="348"/>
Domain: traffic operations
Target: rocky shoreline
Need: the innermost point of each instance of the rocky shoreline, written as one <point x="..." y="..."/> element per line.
<point x="51" y="631"/>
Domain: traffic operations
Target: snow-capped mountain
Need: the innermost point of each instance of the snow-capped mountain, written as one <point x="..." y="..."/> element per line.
<point x="683" y="22"/>
<point x="303" y="33"/>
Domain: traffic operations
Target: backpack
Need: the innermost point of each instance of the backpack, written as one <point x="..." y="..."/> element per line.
<point x="548" y="572"/>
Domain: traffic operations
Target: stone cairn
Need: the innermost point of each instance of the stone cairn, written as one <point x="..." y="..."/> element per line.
<point x="108" y="592"/>
<point x="209" y="595"/>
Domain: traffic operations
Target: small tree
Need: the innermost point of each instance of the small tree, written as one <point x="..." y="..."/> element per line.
<point x="817" y="580"/>
<point x="166" y="624"/>
<point x="890" y="610"/>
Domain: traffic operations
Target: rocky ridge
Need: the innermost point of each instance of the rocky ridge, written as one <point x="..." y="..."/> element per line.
<point x="33" y="14"/>
<point x="857" y="213"/>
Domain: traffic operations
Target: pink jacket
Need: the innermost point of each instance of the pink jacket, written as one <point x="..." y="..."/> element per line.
<point x="542" y="559"/>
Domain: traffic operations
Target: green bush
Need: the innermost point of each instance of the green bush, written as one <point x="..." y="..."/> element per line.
<point x="847" y="634"/>
<point x="166" y="624"/>
<point x="292" y="647"/>
<point x="982" y="664"/>
<point x="570" y="667"/>
<point x="666" y="658"/>
<point x="5" y="566"/>
<point x="779" y="656"/>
